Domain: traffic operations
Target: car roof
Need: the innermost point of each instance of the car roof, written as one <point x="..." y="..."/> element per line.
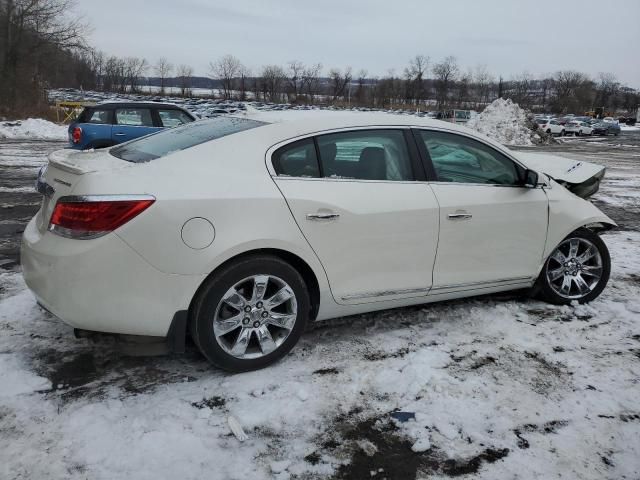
<point x="305" y="121"/>
<point x="128" y="104"/>
<point x="289" y="124"/>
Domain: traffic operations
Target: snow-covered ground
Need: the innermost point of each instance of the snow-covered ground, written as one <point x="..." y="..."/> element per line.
<point x="34" y="129"/>
<point x="499" y="387"/>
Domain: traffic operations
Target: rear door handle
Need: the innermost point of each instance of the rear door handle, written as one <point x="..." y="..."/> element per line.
<point x="119" y="134"/>
<point x="460" y="216"/>
<point x="322" y="216"/>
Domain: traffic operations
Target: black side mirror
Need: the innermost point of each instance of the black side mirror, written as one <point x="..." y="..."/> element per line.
<point x="530" y="179"/>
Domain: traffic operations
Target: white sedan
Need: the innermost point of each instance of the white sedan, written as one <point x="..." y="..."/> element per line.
<point x="578" y="128"/>
<point x="240" y="230"/>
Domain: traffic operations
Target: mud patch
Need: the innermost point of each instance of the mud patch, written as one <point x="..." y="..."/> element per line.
<point x="544" y="429"/>
<point x="326" y="371"/>
<point x="211" y="403"/>
<point x="380" y="355"/>
<point x="390" y="455"/>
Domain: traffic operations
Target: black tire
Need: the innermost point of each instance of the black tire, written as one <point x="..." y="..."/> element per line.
<point x="205" y="304"/>
<point x="578" y="133"/>
<point x="562" y="133"/>
<point x="543" y="289"/>
<point x="548" y="131"/>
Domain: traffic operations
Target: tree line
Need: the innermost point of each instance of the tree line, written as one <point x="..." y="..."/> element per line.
<point x="42" y="47"/>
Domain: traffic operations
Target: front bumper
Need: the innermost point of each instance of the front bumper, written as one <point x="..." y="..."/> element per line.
<point x="102" y="284"/>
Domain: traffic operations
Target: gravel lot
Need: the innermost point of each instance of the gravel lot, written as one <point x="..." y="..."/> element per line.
<point x="493" y="387"/>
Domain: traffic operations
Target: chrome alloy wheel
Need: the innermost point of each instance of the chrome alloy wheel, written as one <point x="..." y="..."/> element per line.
<point x="574" y="268"/>
<point x="255" y="316"/>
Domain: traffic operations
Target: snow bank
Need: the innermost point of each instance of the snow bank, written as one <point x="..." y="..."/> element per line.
<point x="505" y="122"/>
<point x="33" y="128"/>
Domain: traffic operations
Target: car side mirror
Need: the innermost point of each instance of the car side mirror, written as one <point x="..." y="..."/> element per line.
<point x="530" y="179"/>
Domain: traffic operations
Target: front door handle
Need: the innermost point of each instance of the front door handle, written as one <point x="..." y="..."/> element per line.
<point x="120" y="134"/>
<point x="322" y="216"/>
<point x="460" y="216"/>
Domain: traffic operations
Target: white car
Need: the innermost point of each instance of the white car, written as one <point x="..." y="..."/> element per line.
<point x="578" y="128"/>
<point x="550" y="126"/>
<point x="241" y="230"/>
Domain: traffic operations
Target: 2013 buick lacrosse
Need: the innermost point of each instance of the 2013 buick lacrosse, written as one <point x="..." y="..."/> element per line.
<point x="240" y="230"/>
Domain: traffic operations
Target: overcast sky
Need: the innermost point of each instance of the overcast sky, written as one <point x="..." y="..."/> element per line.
<point x="509" y="36"/>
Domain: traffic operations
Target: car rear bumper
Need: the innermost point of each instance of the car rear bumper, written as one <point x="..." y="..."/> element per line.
<point x="102" y="284"/>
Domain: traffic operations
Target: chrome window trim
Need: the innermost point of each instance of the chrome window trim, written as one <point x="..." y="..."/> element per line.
<point x="283" y="143"/>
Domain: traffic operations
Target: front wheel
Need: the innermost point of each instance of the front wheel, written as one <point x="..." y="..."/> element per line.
<point x="250" y="314"/>
<point x="577" y="270"/>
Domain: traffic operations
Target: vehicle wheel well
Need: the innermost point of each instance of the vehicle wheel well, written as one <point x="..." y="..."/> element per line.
<point x="599" y="227"/>
<point x="295" y="261"/>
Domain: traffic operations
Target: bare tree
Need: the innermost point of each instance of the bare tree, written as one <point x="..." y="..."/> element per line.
<point x="294" y="79"/>
<point x="163" y="70"/>
<point x="311" y="80"/>
<point x="338" y="82"/>
<point x="606" y="89"/>
<point x="273" y="78"/>
<point x="134" y="69"/>
<point x="184" y="73"/>
<point x="521" y="89"/>
<point x="361" y="93"/>
<point x="570" y="91"/>
<point x="226" y="69"/>
<point x="445" y="74"/>
<point x="29" y="31"/>
<point x="415" y="73"/>
<point x="483" y="80"/>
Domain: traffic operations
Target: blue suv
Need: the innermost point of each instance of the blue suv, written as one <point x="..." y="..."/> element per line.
<point x="108" y="124"/>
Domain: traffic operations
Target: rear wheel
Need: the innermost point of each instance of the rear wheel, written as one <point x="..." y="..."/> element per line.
<point x="250" y="314"/>
<point x="562" y="133"/>
<point x="577" y="270"/>
<point x="548" y="131"/>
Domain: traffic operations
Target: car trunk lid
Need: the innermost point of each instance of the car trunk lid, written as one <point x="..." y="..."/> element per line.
<point x="63" y="172"/>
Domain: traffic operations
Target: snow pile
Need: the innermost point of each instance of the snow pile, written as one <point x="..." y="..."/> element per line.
<point x="33" y="128"/>
<point x="505" y="122"/>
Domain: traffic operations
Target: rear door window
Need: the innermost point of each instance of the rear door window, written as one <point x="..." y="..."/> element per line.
<point x="98" y="116"/>
<point x="173" y="118"/>
<point x="179" y="138"/>
<point x="136" y="117"/>
<point x="366" y="155"/>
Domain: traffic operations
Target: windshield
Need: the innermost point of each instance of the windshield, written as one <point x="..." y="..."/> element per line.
<point x="180" y="138"/>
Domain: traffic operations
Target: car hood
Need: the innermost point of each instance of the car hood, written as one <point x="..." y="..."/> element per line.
<point x="560" y="168"/>
<point x="580" y="177"/>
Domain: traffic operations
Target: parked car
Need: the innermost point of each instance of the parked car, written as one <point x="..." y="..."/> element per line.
<point x="550" y="126"/>
<point x="288" y="220"/>
<point x="108" y="124"/>
<point x="606" y="128"/>
<point x="578" y="128"/>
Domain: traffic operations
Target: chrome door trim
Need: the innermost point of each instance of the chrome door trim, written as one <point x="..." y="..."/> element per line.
<point x="384" y="293"/>
<point x="483" y="284"/>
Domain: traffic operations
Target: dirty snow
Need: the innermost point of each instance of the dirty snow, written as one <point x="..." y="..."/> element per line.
<point x="33" y="129"/>
<point x="505" y="122"/>
<point x="498" y="387"/>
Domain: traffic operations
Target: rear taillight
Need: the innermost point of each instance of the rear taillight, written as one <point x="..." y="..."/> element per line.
<point x="94" y="216"/>
<point x="76" y="135"/>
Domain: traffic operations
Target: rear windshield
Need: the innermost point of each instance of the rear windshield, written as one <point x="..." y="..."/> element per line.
<point x="180" y="138"/>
